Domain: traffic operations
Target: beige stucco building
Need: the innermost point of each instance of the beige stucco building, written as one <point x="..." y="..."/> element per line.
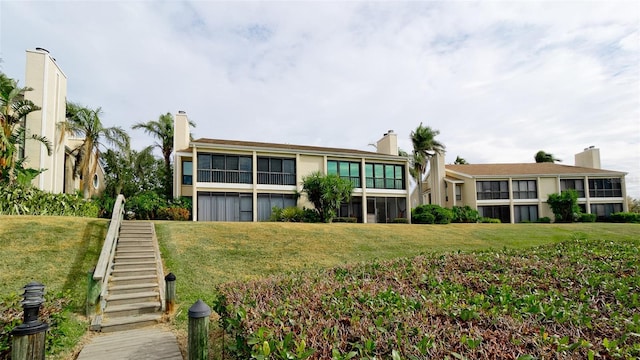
<point x="515" y="193"/>
<point x="49" y="84"/>
<point x="232" y="180"/>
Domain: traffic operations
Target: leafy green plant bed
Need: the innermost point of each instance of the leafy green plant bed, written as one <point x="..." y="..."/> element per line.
<point x="575" y="299"/>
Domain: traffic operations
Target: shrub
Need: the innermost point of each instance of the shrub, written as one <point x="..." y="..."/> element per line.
<point x="288" y="214"/>
<point x="310" y="216"/>
<point x="345" y="220"/>
<point x="587" y="218"/>
<point x="173" y="213"/>
<point x="27" y="200"/>
<point x="488" y="220"/>
<point x="565" y="206"/>
<point x="145" y="205"/>
<point x="440" y="215"/>
<point x="544" y="220"/>
<point x="400" y="221"/>
<point x="465" y="214"/>
<point x="625" y="217"/>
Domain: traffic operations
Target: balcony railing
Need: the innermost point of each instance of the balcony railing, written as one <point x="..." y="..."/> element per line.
<point x="270" y="178"/>
<point x="225" y="176"/>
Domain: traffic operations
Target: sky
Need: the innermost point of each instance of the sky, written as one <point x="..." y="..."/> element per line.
<point x="498" y="80"/>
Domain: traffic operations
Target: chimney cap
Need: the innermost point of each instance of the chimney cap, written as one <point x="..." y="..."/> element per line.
<point x="42" y="49"/>
<point x="181" y="112"/>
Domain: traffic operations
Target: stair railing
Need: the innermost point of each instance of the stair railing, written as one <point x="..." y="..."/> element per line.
<point x="97" y="292"/>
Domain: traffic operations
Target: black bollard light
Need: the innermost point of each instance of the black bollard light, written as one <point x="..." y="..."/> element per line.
<point x="29" y="337"/>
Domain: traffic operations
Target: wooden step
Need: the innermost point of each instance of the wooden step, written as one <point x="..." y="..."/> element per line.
<point x="133" y="265"/>
<point x="129" y="322"/>
<point x="134" y="252"/>
<point x="132" y="288"/>
<point x="131" y="309"/>
<point x="142" y="247"/>
<point x="127" y="258"/>
<point x="133" y="279"/>
<point x="134" y="271"/>
<point x="131" y="298"/>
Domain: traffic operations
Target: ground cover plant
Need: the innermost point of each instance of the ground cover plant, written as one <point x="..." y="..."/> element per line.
<point x="579" y="298"/>
<point x="58" y="252"/>
<point x="206" y="255"/>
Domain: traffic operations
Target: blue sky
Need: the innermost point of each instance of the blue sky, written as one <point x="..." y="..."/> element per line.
<point x="499" y="80"/>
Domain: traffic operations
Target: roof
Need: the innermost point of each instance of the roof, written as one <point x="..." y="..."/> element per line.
<point x="252" y="145"/>
<point x="485" y="170"/>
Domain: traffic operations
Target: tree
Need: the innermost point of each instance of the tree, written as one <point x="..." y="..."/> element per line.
<point x="163" y="130"/>
<point x="14" y="109"/>
<point x="85" y="123"/>
<point x="132" y="172"/>
<point x="326" y="193"/>
<point x="425" y="146"/>
<point x="633" y="204"/>
<point x="542" y="156"/>
<point x="564" y="205"/>
<point x="460" y="161"/>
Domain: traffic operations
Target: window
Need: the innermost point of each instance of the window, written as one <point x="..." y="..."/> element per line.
<point x="490" y="190"/>
<point x="458" y="193"/>
<point x="348" y="170"/>
<point x="605" y="187"/>
<point x="353" y="208"/>
<point x="266" y="202"/>
<point x="221" y="168"/>
<point x="496" y="212"/>
<point x="524" y="189"/>
<point x="384" y="176"/>
<point x="222" y="206"/>
<point x="276" y="171"/>
<point x="573" y="184"/>
<point x="525" y="213"/>
<point x="603" y="211"/>
<point x="386" y="209"/>
<point x="187" y="173"/>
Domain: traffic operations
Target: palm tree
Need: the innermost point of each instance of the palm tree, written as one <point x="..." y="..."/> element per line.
<point x="162" y="129"/>
<point x="14" y="109"/>
<point x="425" y="146"/>
<point x="85" y="123"/>
<point x="542" y="156"/>
<point x="460" y="161"/>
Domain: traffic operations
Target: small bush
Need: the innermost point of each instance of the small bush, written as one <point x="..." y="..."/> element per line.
<point x="544" y="220"/>
<point x="310" y="216"/>
<point x="145" y="205"/>
<point x="27" y="200"/>
<point x="400" y="221"/>
<point x="440" y="215"/>
<point x="625" y="217"/>
<point x="173" y="213"/>
<point x="488" y="220"/>
<point x="465" y="214"/>
<point x="345" y="220"/>
<point x="587" y="218"/>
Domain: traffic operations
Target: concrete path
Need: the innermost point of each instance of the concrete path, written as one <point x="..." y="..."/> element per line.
<point x="146" y="343"/>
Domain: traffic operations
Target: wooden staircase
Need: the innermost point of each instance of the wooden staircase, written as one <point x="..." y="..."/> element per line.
<point x="134" y="298"/>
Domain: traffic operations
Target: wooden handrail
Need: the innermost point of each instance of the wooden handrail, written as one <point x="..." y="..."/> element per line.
<point x="108" y="248"/>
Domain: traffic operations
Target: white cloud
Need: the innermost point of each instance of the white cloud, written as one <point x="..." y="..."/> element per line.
<point x="500" y="80"/>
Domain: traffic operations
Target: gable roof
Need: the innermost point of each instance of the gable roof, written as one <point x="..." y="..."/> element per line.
<point x="253" y="145"/>
<point x="486" y="170"/>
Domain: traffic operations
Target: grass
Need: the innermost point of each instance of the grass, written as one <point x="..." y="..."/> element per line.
<point x="58" y="252"/>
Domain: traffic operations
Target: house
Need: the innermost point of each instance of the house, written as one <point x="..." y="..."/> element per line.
<point x="231" y="180"/>
<point x="515" y="193"/>
<point x="49" y="84"/>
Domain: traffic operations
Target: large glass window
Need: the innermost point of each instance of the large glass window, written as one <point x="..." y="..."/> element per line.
<point x="490" y="190"/>
<point x="266" y="202"/>
<point x="384" y="176"/>
<point x="221" y="168"/>
<point x="187" y="173"/>
<point x="524" y="189"/>
<point x="605" y="187"/>
<point x="352" y="209"/>
<point x="214" y="206"/>
<point x="496" y="212"/>
<point x="386" y="209"/>
<point x="458" y="192"/>
<point x="603" y="211"/>
<point x="573" y="184"/>
<point x="528" y="213"/>
<point x="276" y="171"/>
<point x="348" y="170"/>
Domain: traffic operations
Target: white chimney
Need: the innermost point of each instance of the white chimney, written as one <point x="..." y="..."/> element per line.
<point x="589" y="158"/>
<point x="388" y="144"/>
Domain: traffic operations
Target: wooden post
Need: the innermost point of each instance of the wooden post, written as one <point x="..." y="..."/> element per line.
<point x="198" y="347"/>
<point x="170" y="293"/>
<point x="29" y="337"/>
